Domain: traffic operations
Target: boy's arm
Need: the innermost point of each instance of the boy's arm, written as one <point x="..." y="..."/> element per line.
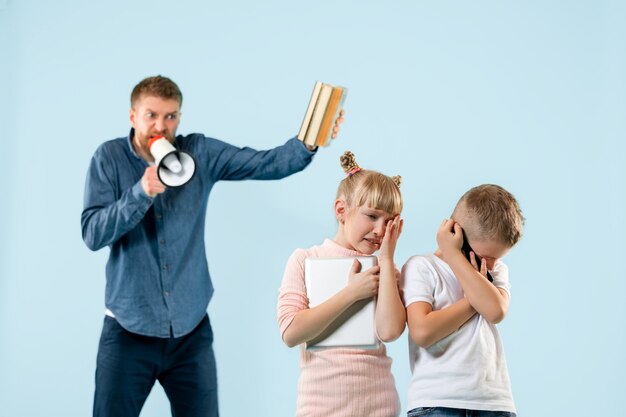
<point x="390" y="312"/>
<point x="427" y="327"/>
<point x="310" y="322"/>
<point x="489" y="301"/>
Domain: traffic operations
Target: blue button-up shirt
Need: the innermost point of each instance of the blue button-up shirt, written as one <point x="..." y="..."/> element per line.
<point x="157" y="277"/>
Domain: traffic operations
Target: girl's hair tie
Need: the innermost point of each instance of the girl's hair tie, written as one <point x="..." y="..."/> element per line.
<point x="354" y="171"/>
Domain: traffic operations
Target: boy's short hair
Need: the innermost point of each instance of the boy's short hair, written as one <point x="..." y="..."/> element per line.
<point x="157" y="86"/>
<point x="489" y="212"/>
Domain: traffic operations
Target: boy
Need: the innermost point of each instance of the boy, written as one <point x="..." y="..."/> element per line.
<point x="456" y="355"/>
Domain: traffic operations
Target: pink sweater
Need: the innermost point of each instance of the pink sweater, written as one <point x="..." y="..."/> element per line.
<point x="335" y="382"/>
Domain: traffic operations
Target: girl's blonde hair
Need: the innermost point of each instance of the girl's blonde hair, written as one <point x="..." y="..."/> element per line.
<point x="363" y="186"/>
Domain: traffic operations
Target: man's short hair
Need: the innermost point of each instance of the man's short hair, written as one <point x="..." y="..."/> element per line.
<point x="490" y="212"/>
<point x="157" y="86"/>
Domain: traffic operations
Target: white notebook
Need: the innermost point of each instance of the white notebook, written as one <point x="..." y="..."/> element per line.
<point x="356" y="327"/>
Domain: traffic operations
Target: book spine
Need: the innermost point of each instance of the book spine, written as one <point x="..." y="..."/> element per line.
<point x="309" y="111"/>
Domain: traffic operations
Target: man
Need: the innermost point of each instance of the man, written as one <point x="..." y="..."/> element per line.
<point x="158" y="284"/>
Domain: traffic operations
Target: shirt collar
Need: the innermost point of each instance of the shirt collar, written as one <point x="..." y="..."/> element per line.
<point x="336" y="247"/>
<point x="131" y="135"/>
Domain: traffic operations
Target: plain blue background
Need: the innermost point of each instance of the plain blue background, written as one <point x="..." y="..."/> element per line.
<point x="529" y="95"/>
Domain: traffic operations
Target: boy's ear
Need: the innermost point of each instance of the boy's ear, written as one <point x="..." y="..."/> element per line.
<point x="340" y="210"/>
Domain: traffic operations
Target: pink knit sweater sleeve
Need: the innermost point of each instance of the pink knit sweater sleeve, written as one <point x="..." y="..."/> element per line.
<point x="292" y="294"/>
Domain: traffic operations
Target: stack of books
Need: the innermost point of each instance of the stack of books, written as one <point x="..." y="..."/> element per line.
<point x="324" y="107"/>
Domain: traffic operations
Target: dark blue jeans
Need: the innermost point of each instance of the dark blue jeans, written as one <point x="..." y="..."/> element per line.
<point x="455" y="412"/>
<point x="129" y="364"/>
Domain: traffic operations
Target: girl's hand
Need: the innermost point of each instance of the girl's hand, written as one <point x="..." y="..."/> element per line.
<point x="364" y="284"/>
<point x="449" y="238"/>
<point x="392" y="233"/>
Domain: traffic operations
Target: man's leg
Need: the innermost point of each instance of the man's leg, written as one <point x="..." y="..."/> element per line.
<point x="127" y="366"/>
<point x="190" y="377"/>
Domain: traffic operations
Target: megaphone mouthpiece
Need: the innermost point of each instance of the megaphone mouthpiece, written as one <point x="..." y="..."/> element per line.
<point x="154" y="138"/>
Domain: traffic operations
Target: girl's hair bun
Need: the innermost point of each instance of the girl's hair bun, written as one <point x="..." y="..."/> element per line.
<point x="348" y="162"/>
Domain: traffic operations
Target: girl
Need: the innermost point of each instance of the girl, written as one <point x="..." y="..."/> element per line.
<point x="341" y="382"/>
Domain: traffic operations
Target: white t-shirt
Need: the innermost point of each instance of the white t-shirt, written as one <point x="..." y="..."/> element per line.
<point x="466" y="369"/>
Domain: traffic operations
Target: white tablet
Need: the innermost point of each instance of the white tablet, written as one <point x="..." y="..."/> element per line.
<point x="356" y="327"/>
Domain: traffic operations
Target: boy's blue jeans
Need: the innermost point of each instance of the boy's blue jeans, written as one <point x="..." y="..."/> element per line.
<point x="128" y="365"/>
<point x="455" y="412"/>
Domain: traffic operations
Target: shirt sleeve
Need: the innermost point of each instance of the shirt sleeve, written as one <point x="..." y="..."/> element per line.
<point x="500" y="274"/>
<point x="106" y="218"/>
<point x="230" y="163"/>
<point x="292" y="296"/>
<point x="418" y="281"/>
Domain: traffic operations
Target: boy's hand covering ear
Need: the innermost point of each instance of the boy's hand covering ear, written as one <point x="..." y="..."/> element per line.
<point x="449" y="237"/>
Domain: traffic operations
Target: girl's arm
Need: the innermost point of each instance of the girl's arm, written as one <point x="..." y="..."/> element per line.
<point x="310" y="322"/>
<point x="427" y="327"/>
<point x="390" y="312"/>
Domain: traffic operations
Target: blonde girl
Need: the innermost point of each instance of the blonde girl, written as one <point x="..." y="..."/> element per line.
<point x="342" y="382"/>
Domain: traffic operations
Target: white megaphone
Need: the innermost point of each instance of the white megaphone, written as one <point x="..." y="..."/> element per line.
<point x="175" y="168"/>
